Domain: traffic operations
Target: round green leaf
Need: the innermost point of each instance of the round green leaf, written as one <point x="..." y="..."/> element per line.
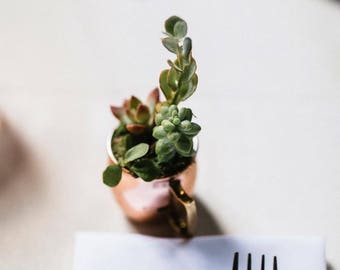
<point x="136" y="152"/>
<point x="112" y="175"/>
<point x="170" y="24"/>
<point x="180" y="29"/>
<point x="170" y="44"/>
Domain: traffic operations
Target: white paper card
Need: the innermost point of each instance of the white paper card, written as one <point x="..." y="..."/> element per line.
<point x="109" y="251"/>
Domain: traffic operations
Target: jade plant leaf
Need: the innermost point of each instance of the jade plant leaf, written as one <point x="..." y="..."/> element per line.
<point x="173" y="78"/>
<point x="136" y="152"/>
<point x="187" y="46"/>
<point x="170" y="44"/>
<point x="176" y="27"/>
<point x="112" y="175"/>
<point x="180" y="29"/>
<point x="180" y="81"/>
<point x="188" y="71"/>
<point x="163" y="82"/>
<point x="188" y="88"/>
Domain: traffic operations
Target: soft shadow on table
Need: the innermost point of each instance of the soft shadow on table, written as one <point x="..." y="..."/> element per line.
<point x="19" y="178"/>
<point x="207" y="224"/>
<point x="330" y="267"/>
<point x="334" y="1"/>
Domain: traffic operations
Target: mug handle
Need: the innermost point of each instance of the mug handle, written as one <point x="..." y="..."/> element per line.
<point x="181" y="212"/>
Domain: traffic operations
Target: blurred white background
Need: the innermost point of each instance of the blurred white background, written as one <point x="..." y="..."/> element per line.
<point x="268" y="101"/>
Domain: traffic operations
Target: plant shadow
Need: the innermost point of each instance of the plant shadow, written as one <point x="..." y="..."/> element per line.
<point x="329" y="266"/>
<point x="336" y="2"/>
<point x="207" y="224"/>
<point x="19" y="174"/>
<point x="207" y="221"/>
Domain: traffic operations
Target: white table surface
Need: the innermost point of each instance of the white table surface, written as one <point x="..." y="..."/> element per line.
<point x="268" y="101"/>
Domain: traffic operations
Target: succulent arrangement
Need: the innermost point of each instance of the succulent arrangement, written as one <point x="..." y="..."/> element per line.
<point x="155" y="139"/>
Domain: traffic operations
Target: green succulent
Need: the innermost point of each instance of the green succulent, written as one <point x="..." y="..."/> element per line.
<point x="178" y="82"/>
<point x="155" y="139"/>
<point x="174" y="132"/>
<point x="135" y="115"/>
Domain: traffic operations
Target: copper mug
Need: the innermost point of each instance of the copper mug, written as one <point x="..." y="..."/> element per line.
<point x="146" y="201"/>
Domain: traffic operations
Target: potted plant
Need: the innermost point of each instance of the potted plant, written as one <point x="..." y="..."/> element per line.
<point x="154" y="141"/>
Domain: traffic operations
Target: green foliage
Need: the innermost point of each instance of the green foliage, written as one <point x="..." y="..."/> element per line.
<point x="176" y="27"/>
<point x="112" y="175"/>
<point x="146" y="169"/>
<point x="122" y="140"/>
<point x="170" y="44"/>
<point x="155" y="139"/>
<point x="136" y="152"/>
<point x="180" y="81"/>
<point x="174" y="132"/>
<point x="187" y="46"/>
